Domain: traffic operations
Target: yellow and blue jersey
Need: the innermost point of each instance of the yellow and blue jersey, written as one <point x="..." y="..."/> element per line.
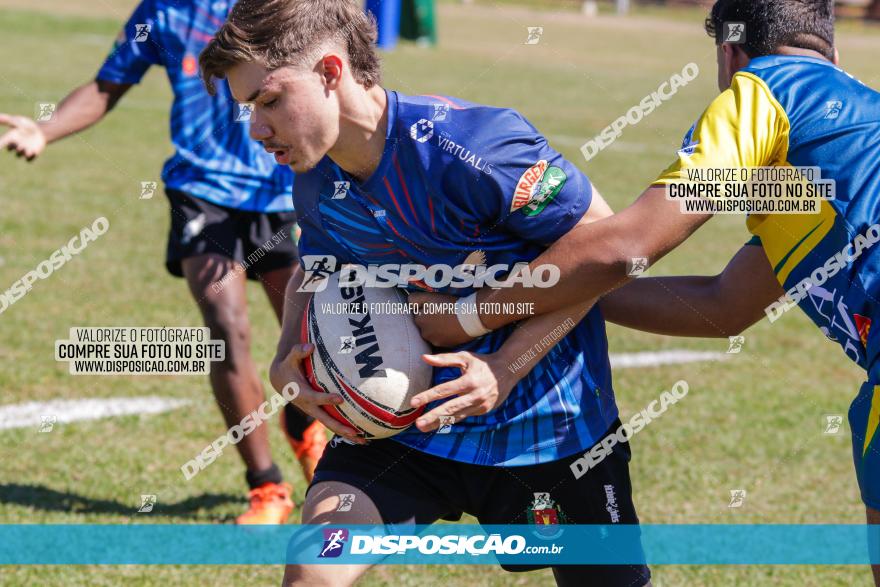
<point x="460" y="181"/>
<point x="214" y="158"/>
<point x="806" y="112"/>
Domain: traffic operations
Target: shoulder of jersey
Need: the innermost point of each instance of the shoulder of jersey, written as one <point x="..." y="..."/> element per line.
<point x="421" y="118"/>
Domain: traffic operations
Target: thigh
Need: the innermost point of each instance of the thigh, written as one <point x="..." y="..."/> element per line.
<point x="218" y="285"/>
<point x="405" y="485"/>
<point x="337" y="504"/>
<point x="549" y="494"/>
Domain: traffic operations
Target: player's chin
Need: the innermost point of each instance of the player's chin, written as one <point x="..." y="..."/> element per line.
<point x="301" y="165"/>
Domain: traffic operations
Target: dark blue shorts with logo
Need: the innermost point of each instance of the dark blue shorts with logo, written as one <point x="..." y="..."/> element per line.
<point x="413" y="487"/>
<point x="261" y="242"/>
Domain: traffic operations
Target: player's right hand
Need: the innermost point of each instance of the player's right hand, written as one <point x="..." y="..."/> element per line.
<point x="24" y="136"/>
<point x="289" y="370"/>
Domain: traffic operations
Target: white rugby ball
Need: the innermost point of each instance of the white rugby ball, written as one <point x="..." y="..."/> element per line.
<point x="371" y="358"/>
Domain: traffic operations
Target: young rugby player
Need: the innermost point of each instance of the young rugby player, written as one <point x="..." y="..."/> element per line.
<point x="784" y="102"/>
<point x="386" y="178"/>
<point x="228" y="198"/>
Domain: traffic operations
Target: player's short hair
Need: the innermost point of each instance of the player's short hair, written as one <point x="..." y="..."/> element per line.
<point x="770" y="24"/>
<point x="276" y="33"/>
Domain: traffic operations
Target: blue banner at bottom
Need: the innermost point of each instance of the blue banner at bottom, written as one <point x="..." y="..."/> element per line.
<point x="440" y="544"/>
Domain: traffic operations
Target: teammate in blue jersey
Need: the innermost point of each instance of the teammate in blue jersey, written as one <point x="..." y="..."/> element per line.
<point x="231" y="213"/>
<point x="784" y="104"/>
<point x="389" y="179"/>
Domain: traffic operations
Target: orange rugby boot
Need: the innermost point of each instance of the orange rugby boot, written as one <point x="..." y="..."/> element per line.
<point x="270" y="504"/>
<point x="308" y="451"/>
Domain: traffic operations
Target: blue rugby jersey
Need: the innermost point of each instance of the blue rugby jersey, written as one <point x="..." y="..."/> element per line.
<point x="214" y="157"/>
<point x="460" y="181"/>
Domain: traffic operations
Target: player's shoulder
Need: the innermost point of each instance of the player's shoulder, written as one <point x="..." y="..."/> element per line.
<point x="789" y="78"/>
<point x="423" y="117"/>
<point x="809" y="89"/>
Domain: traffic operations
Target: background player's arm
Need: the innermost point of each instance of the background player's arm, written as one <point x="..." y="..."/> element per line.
<point x="287" y="366"/>
<point x="710" y="307"/>
<point x="82" y="108"/>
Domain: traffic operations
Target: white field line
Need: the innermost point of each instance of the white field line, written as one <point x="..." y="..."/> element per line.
<point x="656" y="358"/>
<point x="31" y="414"/>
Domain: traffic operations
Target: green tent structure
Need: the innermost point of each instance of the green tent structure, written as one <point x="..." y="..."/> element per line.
<point x="417" y="22"/>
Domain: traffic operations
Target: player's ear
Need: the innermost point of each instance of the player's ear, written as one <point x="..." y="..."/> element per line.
<point x="331" y="69"/>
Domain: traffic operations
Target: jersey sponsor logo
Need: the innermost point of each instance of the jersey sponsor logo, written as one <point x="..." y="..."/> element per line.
<point x="546" y="190"/>
<point x="466" y="155"/>
<point x="525" y="187"/>
<point x="422" y="131"/>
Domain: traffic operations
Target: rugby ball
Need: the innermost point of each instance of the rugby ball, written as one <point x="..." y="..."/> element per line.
<point x="369" y="351"/>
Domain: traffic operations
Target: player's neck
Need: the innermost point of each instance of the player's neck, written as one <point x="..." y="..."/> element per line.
<point x="786" y="50"/>
<point x="363" y="123"/>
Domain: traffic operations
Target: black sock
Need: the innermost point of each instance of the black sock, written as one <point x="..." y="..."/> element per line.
<point x="257" y="478"/>
<point x="296" y="422"/>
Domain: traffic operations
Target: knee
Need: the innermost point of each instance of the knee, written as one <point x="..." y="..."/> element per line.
<point x="230" y="325"/>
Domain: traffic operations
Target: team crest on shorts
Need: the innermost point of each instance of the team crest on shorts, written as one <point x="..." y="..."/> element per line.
<point x="547" y="515"/>
<point x="863" y="324"/>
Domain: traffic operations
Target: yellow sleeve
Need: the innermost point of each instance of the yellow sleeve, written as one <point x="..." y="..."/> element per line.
<point x="744" y="127"/>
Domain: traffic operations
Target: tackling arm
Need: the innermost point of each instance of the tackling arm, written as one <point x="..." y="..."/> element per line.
<point x="711" y="307"/>
<point x="592" y="258"/>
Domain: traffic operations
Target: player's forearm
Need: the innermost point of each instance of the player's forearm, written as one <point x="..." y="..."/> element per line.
<point x="534" y="338"/>
<point x="674" y="306"/>
<point x="295" y="303"/>
<point x="82" y="108"/>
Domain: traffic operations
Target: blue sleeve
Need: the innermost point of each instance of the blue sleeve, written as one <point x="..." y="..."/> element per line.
<point x="527" y="188"/>
<point x="136" y="48"/>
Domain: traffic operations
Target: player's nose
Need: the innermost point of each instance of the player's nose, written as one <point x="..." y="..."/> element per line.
<point x="260" y="130"/>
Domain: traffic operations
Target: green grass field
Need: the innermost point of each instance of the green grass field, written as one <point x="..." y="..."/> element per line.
<point x="752" y="422"/>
